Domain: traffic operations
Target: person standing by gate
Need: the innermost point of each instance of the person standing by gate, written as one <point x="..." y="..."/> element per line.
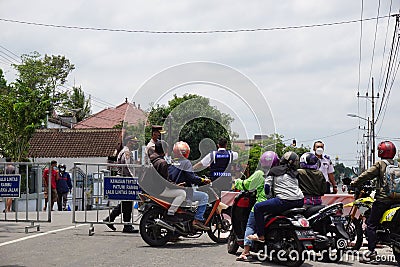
<point x="54" y="177"/>
<point x="326" y="167"/>
<point x="64" y="185"/>
<point x="124" y="157"/>
<point x="10" y="169"/>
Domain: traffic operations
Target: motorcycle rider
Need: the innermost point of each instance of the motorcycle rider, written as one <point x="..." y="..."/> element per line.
<point x="386" y="151"/>
<point x="268" y="160"/>
<point x="282" y="188"/>
<point x="311" y="179"/>
<point x="161" y="166"/>
<point x="181" y="172"/>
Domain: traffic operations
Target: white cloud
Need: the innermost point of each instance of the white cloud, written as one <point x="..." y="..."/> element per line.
<point x="309" y="75"/>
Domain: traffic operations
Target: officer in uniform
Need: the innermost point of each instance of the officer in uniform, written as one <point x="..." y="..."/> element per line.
<point x="220" y="165"/>
<point x="156" y="131"/>
<point x="326" y="167"/>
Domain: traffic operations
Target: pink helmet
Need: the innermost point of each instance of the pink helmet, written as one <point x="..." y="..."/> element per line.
<point x="269" y="159"/>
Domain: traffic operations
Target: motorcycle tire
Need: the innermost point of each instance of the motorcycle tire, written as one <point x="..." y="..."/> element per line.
<point x="289" y="242"/>
<point x="356" y="233"/>
<point x="220" y="227"/>
<point x="232" y="245"/>
<point x="154" y="235"/>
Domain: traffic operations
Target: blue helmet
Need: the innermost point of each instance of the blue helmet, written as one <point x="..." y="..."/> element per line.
<point x="309" y="161"/>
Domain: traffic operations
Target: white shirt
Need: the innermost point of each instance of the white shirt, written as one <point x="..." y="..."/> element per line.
<point x="206" y="161"/>
<point x="326" y="166"/>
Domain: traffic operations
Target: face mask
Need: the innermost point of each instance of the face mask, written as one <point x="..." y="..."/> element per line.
<point x="319" y="151"/>
<point x="55" y="168"/>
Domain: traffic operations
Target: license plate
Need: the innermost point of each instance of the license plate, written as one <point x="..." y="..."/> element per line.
<point x="338" y="219"/>
<point x="305" y="234"/>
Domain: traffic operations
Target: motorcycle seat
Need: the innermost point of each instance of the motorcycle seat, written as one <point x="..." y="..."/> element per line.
<point x="311" y="210"/>
<point x="293" y="211"/>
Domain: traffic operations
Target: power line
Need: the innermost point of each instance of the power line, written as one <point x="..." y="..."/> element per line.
<point x="13" y="55"/>
<point x="373" y="49"/>
<point x="384" y="49"/>
<point x="188" y="32"/>
<point x="327" y="136"/>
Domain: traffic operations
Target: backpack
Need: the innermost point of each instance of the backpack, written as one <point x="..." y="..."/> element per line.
<point x="391" y="181"/>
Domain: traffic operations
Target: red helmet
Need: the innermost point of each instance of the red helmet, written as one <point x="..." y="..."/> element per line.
<point x="386" y="150"/>
<point x="181" y="149"/>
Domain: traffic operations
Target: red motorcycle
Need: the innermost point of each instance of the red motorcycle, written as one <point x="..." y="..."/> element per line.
<point x="156" y="228"/>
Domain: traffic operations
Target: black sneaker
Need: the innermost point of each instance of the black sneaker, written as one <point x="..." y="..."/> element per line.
<point x="110" y="225"/>
<point x="370" y="256"/>
<point x="130" y="230"/>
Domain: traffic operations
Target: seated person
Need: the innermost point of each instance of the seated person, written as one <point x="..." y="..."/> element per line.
<point x="311" y="179"/>
<point x="255" y="182"/>
<point x="181" y="172"/>
<point x="161" y="166"/>
<point x="282" y="190"/>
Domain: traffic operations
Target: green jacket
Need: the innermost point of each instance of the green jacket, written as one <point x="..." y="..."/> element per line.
<point x="255" y="181"/>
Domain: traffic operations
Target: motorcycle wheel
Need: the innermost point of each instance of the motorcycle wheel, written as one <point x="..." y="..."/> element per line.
<point x="356" y="233"/>
<point x="233" y="246"/>
<point x="289" y="243"/>
<point x="220" y="227"/>
<point x="154" y="235"/>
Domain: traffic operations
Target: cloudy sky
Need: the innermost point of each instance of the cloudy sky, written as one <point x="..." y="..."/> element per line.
<point x="309" y="76"/>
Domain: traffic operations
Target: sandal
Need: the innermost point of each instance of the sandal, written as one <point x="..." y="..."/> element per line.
<point x="255" y="238"/>
<point x="242" y="257"/>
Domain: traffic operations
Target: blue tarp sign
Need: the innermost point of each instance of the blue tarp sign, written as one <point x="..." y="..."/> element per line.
<point x="121" y="188"/>
<point x="10" y="185"/>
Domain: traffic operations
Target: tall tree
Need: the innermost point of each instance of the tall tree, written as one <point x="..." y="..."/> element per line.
<point x="34" y="93"/>
<point x="191" y="118"/>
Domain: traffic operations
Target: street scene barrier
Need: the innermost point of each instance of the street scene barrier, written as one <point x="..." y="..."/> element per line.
<point x="97" y="190"/>
<point x="22" y="194"/>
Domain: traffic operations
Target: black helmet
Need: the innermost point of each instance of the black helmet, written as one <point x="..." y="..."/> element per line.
<point x="290" y="158"/>
<point x="62" y="167"/>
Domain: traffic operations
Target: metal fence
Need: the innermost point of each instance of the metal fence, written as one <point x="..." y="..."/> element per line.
<point x="22" y="194"/>
<point x="97" y="190"/>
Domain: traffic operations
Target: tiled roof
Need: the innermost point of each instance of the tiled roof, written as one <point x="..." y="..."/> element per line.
<point x="74" y="143"/>
<point x="110" y="117"/>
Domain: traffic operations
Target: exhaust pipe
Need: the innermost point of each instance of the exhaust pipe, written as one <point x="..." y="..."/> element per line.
<point x="164" y="225"/>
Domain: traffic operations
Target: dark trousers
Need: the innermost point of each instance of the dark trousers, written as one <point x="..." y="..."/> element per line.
<point x="272" y="206"/>
<point x="126" y="207"/>
<point x="377" y="211"/>
<point x="62" y="201"/>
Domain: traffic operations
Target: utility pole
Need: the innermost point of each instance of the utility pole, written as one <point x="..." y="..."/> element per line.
<point x="373" y="123"/>
<point x="371" y="133"/>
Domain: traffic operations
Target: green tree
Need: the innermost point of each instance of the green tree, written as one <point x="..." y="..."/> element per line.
<point x="274" y="143"/>
<point x="76" y="104"/>
<point x="191" y="118"/>
<point x="28" y="99"/>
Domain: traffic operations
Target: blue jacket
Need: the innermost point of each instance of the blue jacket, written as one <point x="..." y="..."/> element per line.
<point x="64" y="183"/>
<point x="182" y="171"/>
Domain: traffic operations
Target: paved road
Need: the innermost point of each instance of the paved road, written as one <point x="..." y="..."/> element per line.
<point x="62" y="243"/>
